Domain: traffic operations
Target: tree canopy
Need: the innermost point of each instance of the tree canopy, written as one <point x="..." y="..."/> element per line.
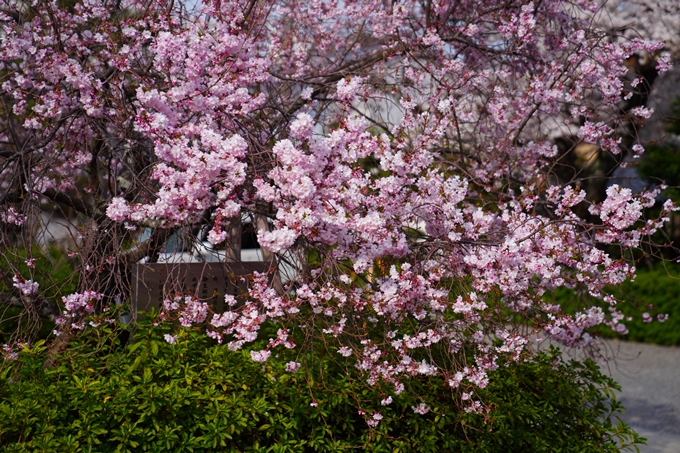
<point x="410" y="163"/>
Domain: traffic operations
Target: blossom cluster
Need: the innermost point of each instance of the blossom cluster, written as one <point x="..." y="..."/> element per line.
<point x="77" y="307"/>
<point x="27" y="287"/>
<point x="12" y="216"/>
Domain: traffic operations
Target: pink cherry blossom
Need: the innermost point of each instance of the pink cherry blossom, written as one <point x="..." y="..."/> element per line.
<point x="27" y="287"/>
<point x="260" y="356"/>
<point x="421" y="409"/>
<point x="400" y="163"/>
<point x="292" y="367"/>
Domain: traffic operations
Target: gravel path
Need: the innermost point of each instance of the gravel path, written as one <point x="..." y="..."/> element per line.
<point x="650" y="389"/>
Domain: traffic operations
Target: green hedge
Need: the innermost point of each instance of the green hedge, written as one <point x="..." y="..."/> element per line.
<point x="197" y="396"/>
<point x="654" y="291"/>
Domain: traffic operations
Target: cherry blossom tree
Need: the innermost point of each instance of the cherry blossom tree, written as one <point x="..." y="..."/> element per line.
<point x="402" y="156"/>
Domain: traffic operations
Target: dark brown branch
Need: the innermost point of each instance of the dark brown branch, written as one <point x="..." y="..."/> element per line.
<point x="74" y="203"/>
<point x="43" y="307"/>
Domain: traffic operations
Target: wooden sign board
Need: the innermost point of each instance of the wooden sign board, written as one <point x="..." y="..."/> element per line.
<point x="154" y="283"/>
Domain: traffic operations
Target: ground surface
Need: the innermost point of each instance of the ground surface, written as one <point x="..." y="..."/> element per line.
<point x="650" y="389"/>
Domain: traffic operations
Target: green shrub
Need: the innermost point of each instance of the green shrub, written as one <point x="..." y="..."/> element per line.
<point x="197" y="396"/>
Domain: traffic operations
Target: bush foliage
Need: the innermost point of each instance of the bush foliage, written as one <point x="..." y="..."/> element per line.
<point x="196" y="396"/>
